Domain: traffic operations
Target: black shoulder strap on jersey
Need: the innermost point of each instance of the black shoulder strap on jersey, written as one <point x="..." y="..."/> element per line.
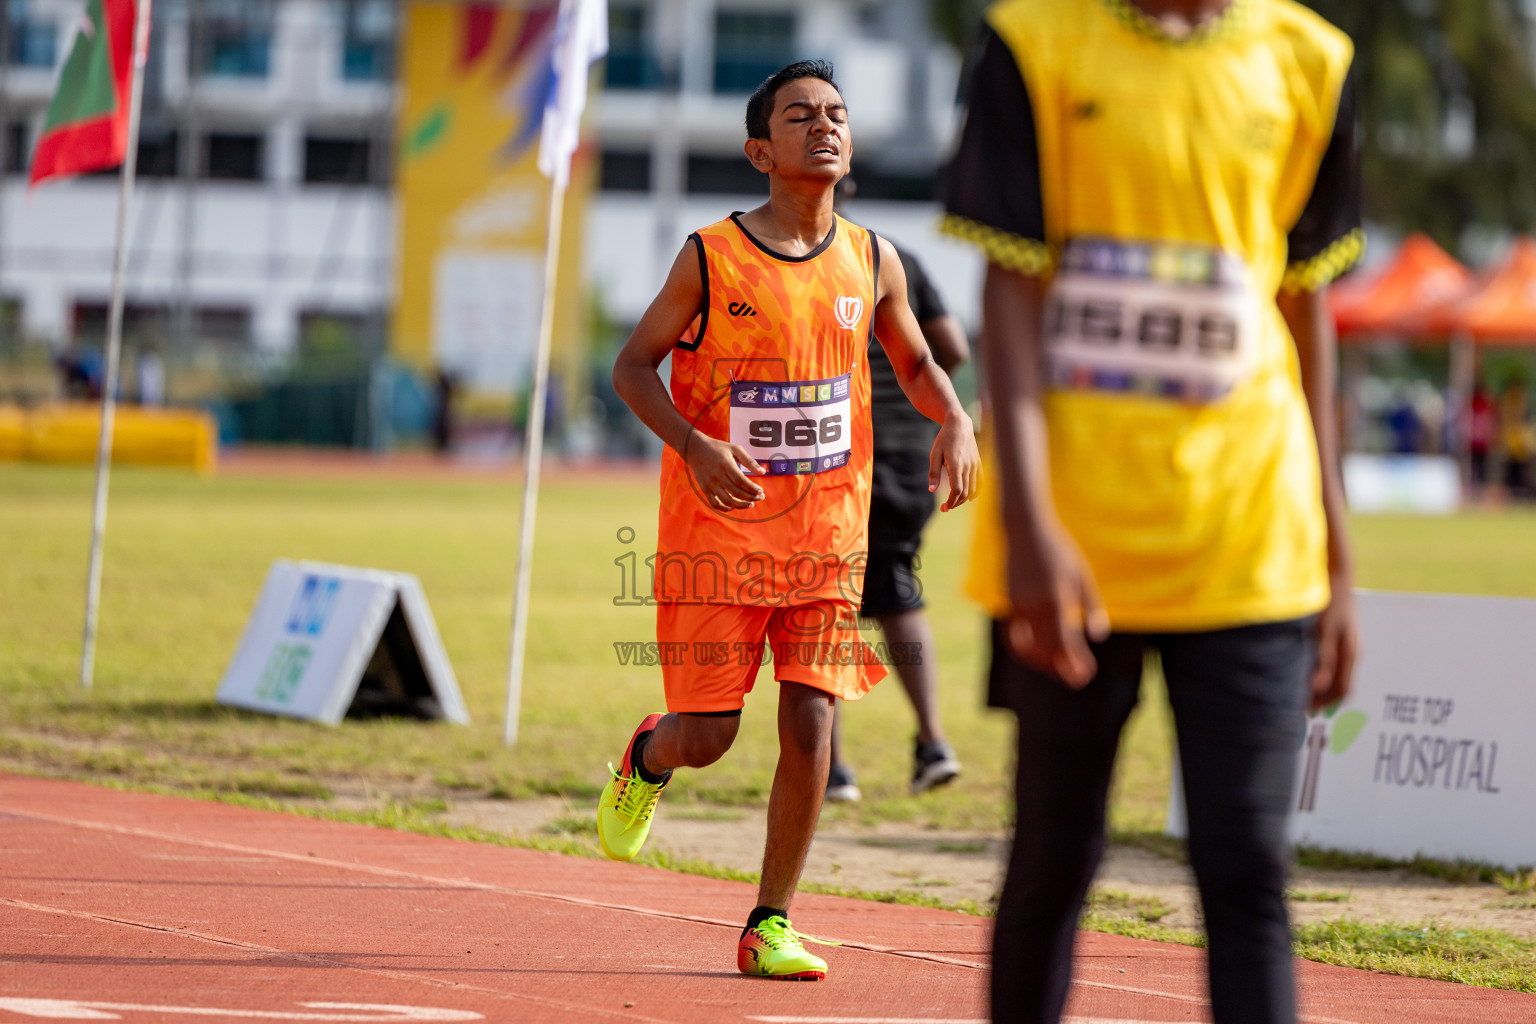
<point x="874" y="255"/>
<point x="698" y="339"/>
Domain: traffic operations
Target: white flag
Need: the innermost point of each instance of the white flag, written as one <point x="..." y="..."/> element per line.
<point x="581" y="39"/>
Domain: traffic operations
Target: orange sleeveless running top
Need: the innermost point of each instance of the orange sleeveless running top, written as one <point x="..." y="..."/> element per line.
<point x="775" y="362"/>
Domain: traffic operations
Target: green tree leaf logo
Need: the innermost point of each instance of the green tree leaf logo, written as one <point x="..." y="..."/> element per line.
<point x="1346" y="729"/>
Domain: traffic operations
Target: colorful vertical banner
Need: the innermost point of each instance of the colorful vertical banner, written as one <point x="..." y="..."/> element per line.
<point x="473" y="206"/>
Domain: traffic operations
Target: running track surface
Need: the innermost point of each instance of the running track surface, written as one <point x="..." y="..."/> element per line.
<point x="146" y="908"/>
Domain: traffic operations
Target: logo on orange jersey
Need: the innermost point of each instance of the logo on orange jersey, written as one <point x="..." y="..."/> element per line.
<point x="849" y="310"/>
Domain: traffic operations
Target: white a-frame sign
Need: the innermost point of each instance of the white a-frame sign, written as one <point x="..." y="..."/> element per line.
<point x="328" y="641"/>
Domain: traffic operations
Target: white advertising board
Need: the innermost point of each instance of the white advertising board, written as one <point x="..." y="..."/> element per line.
<point x="326" y="639"/>
<point x="1434" y="750"/>
<point x="1412" y="484"/>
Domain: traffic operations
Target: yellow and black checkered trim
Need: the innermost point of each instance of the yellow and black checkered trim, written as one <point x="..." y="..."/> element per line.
<point x="1224" y="26"/>
<point x="1022" y="255"/>
<point x="1311" y="274"/>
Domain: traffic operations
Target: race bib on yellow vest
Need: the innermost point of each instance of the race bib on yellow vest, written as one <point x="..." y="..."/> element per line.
<point x="793" y="427"/>
<point x="1174" y="321"/>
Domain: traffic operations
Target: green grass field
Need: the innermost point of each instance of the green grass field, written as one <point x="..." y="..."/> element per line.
<point x="186" y="556"/>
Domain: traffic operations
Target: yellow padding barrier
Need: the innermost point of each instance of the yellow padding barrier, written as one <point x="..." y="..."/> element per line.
<point x="13" y="432"/>
<point x="68" y="433"/>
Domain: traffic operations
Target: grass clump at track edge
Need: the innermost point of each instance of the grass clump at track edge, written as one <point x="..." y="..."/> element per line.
<point x="1472" y="956"/>
<point x="1317" y="896"/>
<point x="1458" y="872"/>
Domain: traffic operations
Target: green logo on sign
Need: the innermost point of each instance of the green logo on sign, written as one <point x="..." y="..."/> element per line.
<point x="280" y="678"/>
<point x="1346" y="729"/>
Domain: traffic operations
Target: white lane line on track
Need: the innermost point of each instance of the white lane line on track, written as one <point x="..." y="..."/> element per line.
<point x="940" y="1020"/>
<point x="78" y="1009"/>
<point x="1303" y="1017"/>
<point x="873" y="1020"/>
<point x="315" y="959"/>
<point x="460" y="883"/>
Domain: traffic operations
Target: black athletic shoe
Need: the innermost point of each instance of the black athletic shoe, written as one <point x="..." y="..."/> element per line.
<point x="933" y="764"/>
<point x="841" y="789"/>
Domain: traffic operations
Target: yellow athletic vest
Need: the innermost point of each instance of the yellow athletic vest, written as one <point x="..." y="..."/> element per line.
<point x="1178" y="167"/>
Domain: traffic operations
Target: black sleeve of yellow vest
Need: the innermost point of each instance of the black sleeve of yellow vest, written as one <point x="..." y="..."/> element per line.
<point x="991" y="189"/>
<point x="1327" y="240"/>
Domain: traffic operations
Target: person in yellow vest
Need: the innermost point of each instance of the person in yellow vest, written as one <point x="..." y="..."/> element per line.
<point x="765" y="483"/>
<point x="1163" y="190"/>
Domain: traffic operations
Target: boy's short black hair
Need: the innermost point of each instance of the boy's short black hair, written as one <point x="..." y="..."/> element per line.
<point x="760" y="104"/>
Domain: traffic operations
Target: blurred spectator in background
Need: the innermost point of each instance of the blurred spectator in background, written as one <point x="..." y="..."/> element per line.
<point x="1515" y="432"/>
<point x="1405" y="425"/>
<point x="447" y="385"/>
<point x="151" y="378"/>
<point x="1482" y="426"/>
<point x="80" y="374"/>
<point x="900" y="506"/>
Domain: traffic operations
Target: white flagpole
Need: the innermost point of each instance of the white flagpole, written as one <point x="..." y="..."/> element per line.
<point x="114" y="345"/>
<point x="581" y="37"/>
<point x="533" y="451"/>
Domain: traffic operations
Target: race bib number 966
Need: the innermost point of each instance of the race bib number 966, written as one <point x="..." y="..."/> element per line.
<point x="1176" y="321"/>
<point x="793" y="427"/>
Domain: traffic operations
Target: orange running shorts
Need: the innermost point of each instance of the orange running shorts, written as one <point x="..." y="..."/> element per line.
<point x="710" y="653"/>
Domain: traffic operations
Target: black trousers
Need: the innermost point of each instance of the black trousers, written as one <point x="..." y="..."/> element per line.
<point x="1239" y="701"/>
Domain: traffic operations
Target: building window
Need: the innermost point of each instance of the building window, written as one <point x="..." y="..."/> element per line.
<point x="631" y="57"/>
<point x="730" y="175"/>
<point x="142" y="325"/>
<point x="34" y="43"/>
<point x="750" y="46"/>
<point x="231" y="157"/>
<point x="225" y="326"/>
<point x="235" y="39"/>
<point x="367" y="40"/>
<point x="625" y="171"/>
<point x="333" y="161"/>
<point x="18" y="159"/>
<point x="10" y="322"/>
<point x="153" y="326"/>
<point x="158" y="154"/>
<point x="336" y="342"/>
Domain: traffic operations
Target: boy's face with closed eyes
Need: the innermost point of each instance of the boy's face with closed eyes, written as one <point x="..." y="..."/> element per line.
<point x="808" y="134"/>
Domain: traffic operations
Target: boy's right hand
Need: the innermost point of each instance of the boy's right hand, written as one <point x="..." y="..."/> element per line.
<point x="717" y="468"/>
<point x="1057" y="611"/>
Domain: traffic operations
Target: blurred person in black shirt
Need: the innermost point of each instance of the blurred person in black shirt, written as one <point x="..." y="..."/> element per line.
<point x="900" y="506"/>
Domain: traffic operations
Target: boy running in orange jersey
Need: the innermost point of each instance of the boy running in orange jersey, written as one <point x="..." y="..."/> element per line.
<point x="765" y="482"/>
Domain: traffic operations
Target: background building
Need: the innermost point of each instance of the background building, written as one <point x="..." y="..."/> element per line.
<point x="265" y="220"/>
<point x="670" y="125"/>
<point x="263" y="212"/>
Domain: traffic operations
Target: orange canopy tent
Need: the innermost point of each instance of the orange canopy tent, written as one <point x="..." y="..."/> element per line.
<point x="1501" y="310"/>
<point x="1420" y="277"/>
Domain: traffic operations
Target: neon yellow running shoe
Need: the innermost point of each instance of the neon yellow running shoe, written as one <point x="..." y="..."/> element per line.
<point x="773" y="950"/>
<point x="624" y="811"/>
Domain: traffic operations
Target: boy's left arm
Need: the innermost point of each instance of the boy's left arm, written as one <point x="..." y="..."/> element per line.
<point x="1306" y="314"/>
<point x="926" y="386"/>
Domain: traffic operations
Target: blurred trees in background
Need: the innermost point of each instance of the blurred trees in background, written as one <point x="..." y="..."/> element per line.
<point x="1447" y="104"/>
<point x="1448" y="110"/>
